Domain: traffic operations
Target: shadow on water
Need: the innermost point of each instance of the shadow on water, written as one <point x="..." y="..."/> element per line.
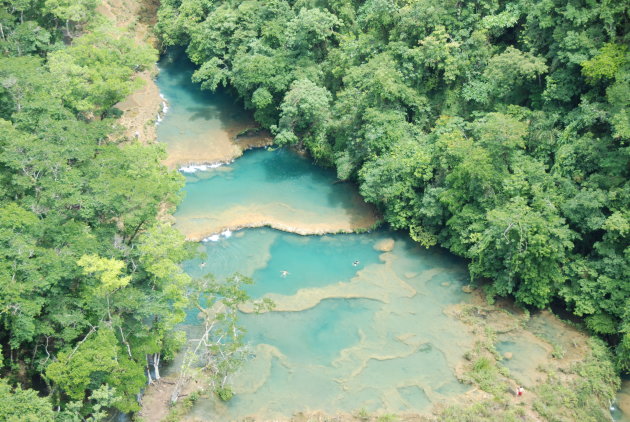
<point x="223" y="105"/>
<point x="286" y="165"/>
<point x="283" y="165"/>
<point x="201" y="113"/>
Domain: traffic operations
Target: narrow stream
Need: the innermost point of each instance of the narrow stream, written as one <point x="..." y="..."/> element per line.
<point x="359" y="321"/>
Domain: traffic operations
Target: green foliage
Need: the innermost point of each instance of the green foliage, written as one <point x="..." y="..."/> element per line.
<point x="37" y="27"/>
<point x="17" y="405"/>
<point x="606" y="63"/>
<point x="311" y="31"/>
<point x="498" y="130"/>
<point x="72" y="10"/>
<point x="486" y="374"/>
<point x="108" y="270"/>
<point x="90" y="282"/>
<point x="488" y="411"/>
<point x="587" y="397"/>
<point x="507" y="72"/>
<point x="74" y="371"/>
<point x="305" y="113"/>
<point x="96" y="71"/>
<point x="225" y="393"/>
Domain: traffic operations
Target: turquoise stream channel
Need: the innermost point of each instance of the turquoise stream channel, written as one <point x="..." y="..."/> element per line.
<point x="360" y="319"/>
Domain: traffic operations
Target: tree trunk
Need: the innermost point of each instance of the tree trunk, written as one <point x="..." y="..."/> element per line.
<point x="149" y="378"/>
<point x="177" y="390"/>
<point x="135" y="231"/>
<point x="156" y="365"/>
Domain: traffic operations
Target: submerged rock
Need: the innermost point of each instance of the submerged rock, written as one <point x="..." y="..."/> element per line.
<point x="623" y="398"/>
<point x="385" y="245"/>
<point x="507" y="355"/>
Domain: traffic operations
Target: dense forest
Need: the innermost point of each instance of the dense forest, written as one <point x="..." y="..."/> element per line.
<point x="90" y="282"/>
<point x="497" y="129"/>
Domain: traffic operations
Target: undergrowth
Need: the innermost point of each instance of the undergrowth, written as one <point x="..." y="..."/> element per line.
<point x="583" y="392"/>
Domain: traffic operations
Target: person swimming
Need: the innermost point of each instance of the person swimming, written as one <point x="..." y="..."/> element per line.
<point x="284" y="273"/>
<point x="355" y="263"/>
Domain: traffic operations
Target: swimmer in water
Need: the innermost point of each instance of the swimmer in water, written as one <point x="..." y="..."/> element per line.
<point x="355" y="263"/>
<point x="203" y="264"/>
<point x="284" y="273"/>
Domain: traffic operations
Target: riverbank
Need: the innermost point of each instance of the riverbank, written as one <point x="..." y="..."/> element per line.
<point x="141" y="109"/>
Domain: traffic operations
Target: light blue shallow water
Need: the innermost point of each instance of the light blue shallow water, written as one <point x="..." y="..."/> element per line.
<point x="343" y="337"/>
<point x="269" y="187"/>
<point x="312" y="261"/>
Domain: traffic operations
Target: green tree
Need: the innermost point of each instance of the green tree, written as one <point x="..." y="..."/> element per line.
<point x="17" y="405"/>
<point x="97" y="71"/>
<point x="71" y="12"/>
<point x="304" y="117"/>
<point x="88" y="301"/>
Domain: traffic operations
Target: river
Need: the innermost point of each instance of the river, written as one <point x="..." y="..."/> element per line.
<point x="360" y="320"/>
